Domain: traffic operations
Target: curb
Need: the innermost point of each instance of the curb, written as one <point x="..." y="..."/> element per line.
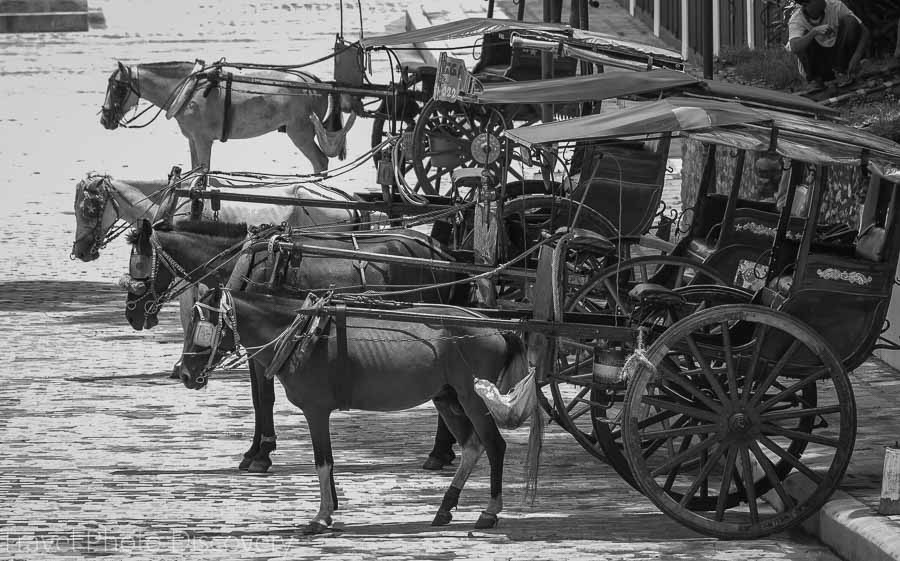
<point x="853" y="530"/>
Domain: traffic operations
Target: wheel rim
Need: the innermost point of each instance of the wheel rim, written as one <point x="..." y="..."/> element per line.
<point x="721" y="410"/>
<point x="592" y="411"/>
<point x="448" y="136"/>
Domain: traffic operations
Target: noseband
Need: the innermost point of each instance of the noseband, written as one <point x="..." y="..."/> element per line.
<point x="209" y="335"/>
<point x="93" y="207"/>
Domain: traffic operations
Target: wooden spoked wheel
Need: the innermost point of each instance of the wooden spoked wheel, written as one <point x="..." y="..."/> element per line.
<point x="728" y="403"/>
<point x="590" y="409"/>
<point x="448" y="136"/>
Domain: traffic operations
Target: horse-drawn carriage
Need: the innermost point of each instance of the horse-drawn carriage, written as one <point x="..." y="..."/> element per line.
<point x="703" y="395"/>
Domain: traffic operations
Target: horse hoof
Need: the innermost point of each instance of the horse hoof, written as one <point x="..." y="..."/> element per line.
<point x="437" y="462"/>
<point x="259" y="466"/>
<point x="442" y="518"/>
<point x="315" y="527"/>
<point x="245" y="464"/>
<point x="486" y="521"/>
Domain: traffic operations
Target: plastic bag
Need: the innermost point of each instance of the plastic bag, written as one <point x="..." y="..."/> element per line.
<point x="511" y="410"/>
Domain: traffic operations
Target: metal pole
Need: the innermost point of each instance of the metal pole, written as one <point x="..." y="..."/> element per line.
<point x="708" y="39"/>
<point x="546" y="64"/>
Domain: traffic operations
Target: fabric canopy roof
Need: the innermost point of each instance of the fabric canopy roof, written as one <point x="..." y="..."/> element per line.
<point x="585" y="88"/>
<point x="468" y="27"/>
<point x="728" y="124"/>
<point x="668" y="115"/>
<point x="585" y="37"/>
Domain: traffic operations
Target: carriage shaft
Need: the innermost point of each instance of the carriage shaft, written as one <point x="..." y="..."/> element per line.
<point x="312" y="203"/>
<point x="573" y="330"/>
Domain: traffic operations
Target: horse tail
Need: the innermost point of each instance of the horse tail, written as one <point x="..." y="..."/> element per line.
<point x="513" y="401"/>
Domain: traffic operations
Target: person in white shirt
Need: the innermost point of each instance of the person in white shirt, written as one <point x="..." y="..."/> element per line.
<point x="828" y="39"/>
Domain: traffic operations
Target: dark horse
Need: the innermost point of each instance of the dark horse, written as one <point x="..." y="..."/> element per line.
<point x="385" y="365"/>
<point x="201" y="249"/>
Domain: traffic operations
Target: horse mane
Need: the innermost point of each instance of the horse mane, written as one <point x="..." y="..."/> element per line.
<point x="213" y="228"/>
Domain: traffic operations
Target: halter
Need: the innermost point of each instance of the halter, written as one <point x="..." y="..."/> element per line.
<point x="94" y="207"/>
<point x="209" y="335"/>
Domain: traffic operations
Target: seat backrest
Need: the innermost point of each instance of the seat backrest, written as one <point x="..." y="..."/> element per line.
<point x="623" y="181"/>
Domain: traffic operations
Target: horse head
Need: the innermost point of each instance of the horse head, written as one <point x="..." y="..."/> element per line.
<point x="210" y="336"/>
<point x="121" y="95"/>
<point x="96" y="212"/>
<point x="146" y="282"/>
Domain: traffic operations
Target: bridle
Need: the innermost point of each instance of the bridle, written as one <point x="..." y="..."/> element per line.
<point x="117" y="94"/>
<point x="93" y="207"/>
<point x="209" y="335"/>
<point x="118" y="91"/>
<point x="157" y="299"/>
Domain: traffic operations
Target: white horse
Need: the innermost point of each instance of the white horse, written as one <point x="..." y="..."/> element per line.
<point x="209" y="106"/>
<point x="101" y="201"/>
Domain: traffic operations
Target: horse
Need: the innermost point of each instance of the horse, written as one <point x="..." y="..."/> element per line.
<point x="200" y="249"/>
<point x="382" y="365"/>
<point x="101" y="201"/>
<point x="208" y="108"/>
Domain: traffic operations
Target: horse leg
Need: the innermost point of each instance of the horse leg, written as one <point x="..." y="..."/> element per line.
<point x="442" y="452"/>
<point x="201" y="151"/>
<point x="254" y="446"/>
<point x="487" y="431"/>
<point x="470" y="449"/>
<point x="320" y="435"/>
<point x="264" y="421"/>
<point x="303" y="136"/>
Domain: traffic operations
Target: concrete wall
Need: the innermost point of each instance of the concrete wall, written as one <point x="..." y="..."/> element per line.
<point x="30" y="16"/>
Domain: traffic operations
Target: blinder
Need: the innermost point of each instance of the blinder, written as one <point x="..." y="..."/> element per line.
<point x="205" y="334"/>
<point x="140" y="266"/>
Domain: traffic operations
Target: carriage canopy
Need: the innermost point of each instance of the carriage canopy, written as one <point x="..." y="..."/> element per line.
<point x="728" y="124"/>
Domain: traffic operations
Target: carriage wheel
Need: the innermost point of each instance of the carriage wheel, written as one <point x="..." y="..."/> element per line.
<point x="731" y="398"/>
<point x="448" y="136"/>
<point x="590" y="409"/>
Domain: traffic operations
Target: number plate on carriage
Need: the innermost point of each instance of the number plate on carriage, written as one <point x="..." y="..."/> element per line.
<point x="204" y="333"/>
<point x="453" y="80"/>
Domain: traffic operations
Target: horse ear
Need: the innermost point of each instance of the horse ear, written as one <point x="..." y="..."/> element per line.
<point x="122" y="68"/>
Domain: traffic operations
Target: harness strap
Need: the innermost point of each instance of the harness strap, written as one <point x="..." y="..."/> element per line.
<point x="361" y="264"/>
<point x="342" y="387"/>
<point x="226" y="118"/>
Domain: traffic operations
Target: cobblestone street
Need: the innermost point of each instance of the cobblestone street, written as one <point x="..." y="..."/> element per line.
<point x="107" y="456"/>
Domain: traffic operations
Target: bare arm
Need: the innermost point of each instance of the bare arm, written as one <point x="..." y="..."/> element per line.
<point x="800" y="44"/>
<point x="860" y="49"/>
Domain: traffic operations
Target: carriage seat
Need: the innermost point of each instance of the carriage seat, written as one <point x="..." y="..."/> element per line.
<point x="418" y="68"/>
<point x="650" y="293"/>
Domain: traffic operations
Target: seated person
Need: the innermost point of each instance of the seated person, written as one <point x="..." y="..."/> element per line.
<point x="828" y="39"/>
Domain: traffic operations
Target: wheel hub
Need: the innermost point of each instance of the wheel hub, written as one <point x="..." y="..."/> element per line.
<point x="486" y="148"/>
<point x="739" y="423"/>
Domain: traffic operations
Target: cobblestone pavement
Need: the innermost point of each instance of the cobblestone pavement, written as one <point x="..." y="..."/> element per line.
<point x="106" y="456"/>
